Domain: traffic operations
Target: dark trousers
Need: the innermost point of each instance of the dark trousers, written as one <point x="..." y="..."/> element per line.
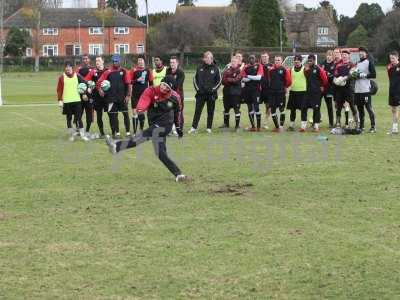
<point x="77" y="120"/>
<point x="113" y="115"/>
<point x="99" y="119"/>
<point x="329" y="107"/>
<point x="364" y="100"/>
<point x="231" y="102"/>
<point x="88" y="107"/>
<point x="201" y="100"/>
<point x="158" y="136"/>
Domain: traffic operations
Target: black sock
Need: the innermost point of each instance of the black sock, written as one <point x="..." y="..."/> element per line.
<point x="275" y="119"/>
<point x="346" y="114"/>
<point x="237" y="120"/>
<point x="226" y="119"/>
<point x="258" y="117"/>
<point x="282" y="118"/>
<point x="88" y="124"/>
<point x="251" y="118"/>
<point x="135" y="124"/>
<point x="141" y="118"/>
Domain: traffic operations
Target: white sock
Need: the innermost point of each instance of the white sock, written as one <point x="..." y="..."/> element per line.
<point x="291" y="124"/>
<point x="395" y="127"/>
<point x="316" y="126"/>
<point x="303" y="124"/>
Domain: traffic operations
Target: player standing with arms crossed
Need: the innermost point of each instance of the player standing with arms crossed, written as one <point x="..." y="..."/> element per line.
<point x="251" y="75"/>
<point x="329" y="67"/>
<point x="232" y="92"/>
<point x="280" y="80"/>
<point x="317" y="81"/>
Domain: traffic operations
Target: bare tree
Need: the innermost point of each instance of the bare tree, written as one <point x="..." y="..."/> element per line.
<point x="32" y="12"/>
<point x="231" y="27"/>
<point x="179" y="33"/>
<point x="387" y="37"/>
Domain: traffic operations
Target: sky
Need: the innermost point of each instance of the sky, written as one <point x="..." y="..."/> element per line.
<point x="344" y="7"/>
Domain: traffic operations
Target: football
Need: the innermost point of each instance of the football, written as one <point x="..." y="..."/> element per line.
<point x="105" y="85"/>
<point x="82" y="88"/>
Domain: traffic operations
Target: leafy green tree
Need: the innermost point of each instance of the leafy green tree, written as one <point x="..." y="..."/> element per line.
<point x="16" y="42"/>
<point x="358" y="38"/>
<point x="264" y="21"/>
<point x="128" y="7"/>
<point x="346" y="26"/>
<point x="370" y="16"/>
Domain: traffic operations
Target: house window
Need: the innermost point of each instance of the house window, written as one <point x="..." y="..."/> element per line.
<point x="121" y="30"/>
<point x="50" y="50"/>
<point x="95" y="49"/>
<point x="28" y="52"/>
<point x="50" y="31"/>
<point x="139" y="48"/>
<point x="95" y="30"/>
<point x="121" y="48"/>
<point x="77" y="50"/>
<point x="28" y="30"/>
<point x="323" y="30"/>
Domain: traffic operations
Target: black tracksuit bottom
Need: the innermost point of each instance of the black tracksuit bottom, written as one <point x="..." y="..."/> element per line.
<point x="158" y="135"/>
<point x="201" y="100"/>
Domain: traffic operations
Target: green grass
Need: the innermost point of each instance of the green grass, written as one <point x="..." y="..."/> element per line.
<point x="320" y="221"/>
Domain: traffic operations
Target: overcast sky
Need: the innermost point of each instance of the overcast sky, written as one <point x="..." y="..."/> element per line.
<point x="344" y="7"/>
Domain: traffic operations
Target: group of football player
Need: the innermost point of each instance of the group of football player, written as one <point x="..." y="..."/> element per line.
<point x="159" y="92"/>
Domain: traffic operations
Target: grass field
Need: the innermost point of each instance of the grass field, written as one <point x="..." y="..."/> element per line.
<point x="266" y="216"/>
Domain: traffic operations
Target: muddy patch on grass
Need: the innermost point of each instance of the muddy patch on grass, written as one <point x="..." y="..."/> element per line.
<point x="238" y="189"/>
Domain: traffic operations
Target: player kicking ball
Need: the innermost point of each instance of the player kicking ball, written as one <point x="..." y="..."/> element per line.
<point x="164" y="109"/>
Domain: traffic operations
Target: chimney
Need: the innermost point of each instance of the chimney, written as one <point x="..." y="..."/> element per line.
<point x="299" y="8"/>
<point x="329" y="9"/>
<point x="101" y="4"/>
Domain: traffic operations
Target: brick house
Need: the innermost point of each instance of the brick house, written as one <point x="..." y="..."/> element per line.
<point x="74" y="31"/>
<point x="311" y="28"/>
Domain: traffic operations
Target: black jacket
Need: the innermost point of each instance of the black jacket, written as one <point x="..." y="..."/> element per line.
<point x="207" y="79"/>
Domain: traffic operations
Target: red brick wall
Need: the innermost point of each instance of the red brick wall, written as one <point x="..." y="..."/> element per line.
<point x="68" y="36"/>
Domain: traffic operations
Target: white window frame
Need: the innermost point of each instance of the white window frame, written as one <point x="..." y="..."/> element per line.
<point x="117" y="48"/>
<point x="46" y="48"/>
<point x="95" y="30"/>
<point x="77" y="47"/>
<point x="140" y="48"/>
<point x="323" y="30"/>
<point x="50" y="31"/>
<point x="28" y="52"/>
<point x="29" y="30"/>
<point x="121" y="30"/>
<point x="92" y="50"/>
